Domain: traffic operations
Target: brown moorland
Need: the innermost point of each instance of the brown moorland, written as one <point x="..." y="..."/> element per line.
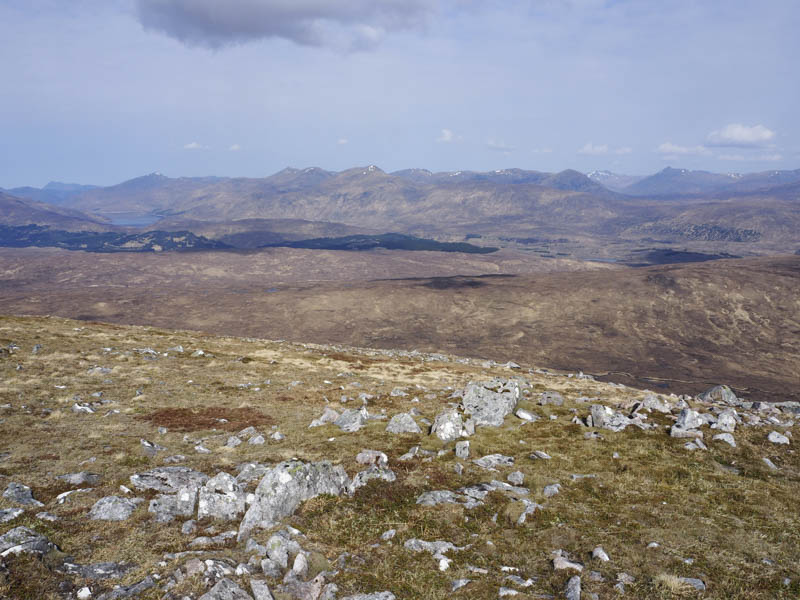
<point x="671" y="327"/>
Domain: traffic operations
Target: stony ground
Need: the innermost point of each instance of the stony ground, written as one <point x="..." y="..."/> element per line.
<point x="195" y="474"/>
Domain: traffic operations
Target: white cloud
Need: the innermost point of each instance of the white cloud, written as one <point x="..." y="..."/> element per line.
<point x="737" y="135"/>
<point x="349" y="24"/>
<point x="342" y="141"/>
<point x="670" y="149"/>
<point x="499" y="146"/>
<point x="194" y="146"/>
<point x="758" y="157"/>
<point x="446" y="137"/>
<point x="542" y="150"/>
<point x="235" y="147"/>
<point x="591" y="149"/>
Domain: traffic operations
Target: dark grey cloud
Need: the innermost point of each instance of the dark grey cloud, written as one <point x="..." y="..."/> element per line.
<point x="344" y="24"/>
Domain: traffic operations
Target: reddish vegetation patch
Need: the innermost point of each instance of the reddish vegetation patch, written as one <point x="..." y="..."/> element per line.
<point x="187" y="419"/>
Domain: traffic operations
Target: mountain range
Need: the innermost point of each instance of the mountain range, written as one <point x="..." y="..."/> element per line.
<point x="672" y="206"/>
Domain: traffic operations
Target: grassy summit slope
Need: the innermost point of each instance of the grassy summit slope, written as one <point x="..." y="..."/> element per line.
<point x="721" y="515"/>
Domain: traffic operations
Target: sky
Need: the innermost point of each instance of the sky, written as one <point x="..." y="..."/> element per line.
<point x="101" y="91"/>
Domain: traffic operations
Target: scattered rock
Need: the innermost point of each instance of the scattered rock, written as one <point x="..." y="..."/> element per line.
<point x="225" y="589"/>
<point x="774" y="437"/>
<point x="462" y="450"/>
<point x="284" y="487"/>
<point x="82" y="478"/>
<point x="491" y="461"/>
<point x="490" y="402"/>
<point x="372" y="457"/>
<point x="328" y="416"/>
<point x="113" y="508"/>
<point x="374" y="472"/>
<point x="726" y="421"/>
<point x="725" y="437"/>
<point x="373" y="596"/>
<point x="221" y="498"/>
<point x="553" y="398"/>
<point x="447" y="425"/>
<point x="9" y="514"/>
<point x="697" y="584"/>
<point x="718" y="394"/>
<point x="652" y="402"/>
<point x="517" y="477"/>
<point x="540" y="455"/>
<point x="168" y="480"/>
<point x="352" y="420"/>
<point x="689" y="419"/>
<point x="561" y="562"/>
<point x="526" y="415"/>
<point x="770" y="464"/>
<point x="403" y="423"/>
<point x="573" y="589"/>
<point x="22" y="540"/>
<point x="21" y="494"/>
<point x="167" y="507"/>
<point x="551" y="490"/>
<point x="600" y="554"/>
<point x="98" y="571"/>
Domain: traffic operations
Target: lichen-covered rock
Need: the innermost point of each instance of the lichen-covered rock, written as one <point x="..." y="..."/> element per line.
<point x="328" y="416"/>
<point x="225" y="589"/>
<point x="284" y="487"/>
<point x="403" y="423"/>
<point x="553" y="398"/>
<point x="9" y="514"/>
<point x="490" y="402"/>
<point x="113" y="508"/>
<point x="352" y="420"/>
<point x="447" y="425"/>
<point x="719" y="394"/>
<point x="21" y="494"/>
<point x="22" y="540"/>
<point x="167" y="507"/>
<point x="491" y="461"/>
<point x="726" y="421"/>
<point x="82" y="478"/>
<point x="778" y="438"/>
<point x="168" y="480"/>
<point x="221" y="498"/>
<point x="689" y="419"/>
<point x="653" y="402"/>
<point x="374" y="472"/>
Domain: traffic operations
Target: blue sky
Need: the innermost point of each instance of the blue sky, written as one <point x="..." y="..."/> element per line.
<point x="99" y="91"/>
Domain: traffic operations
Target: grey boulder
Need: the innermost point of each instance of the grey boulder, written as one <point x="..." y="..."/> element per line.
<point x="167" y="507"/>
<point x="21" y="494"/>
<point x="22" y="540"/>
<point x="113" y="508"/>
<point x="284" y="487"/>
<point x="490" y="402"/>
<point x="374" y="472"/>
<point x="352" y="420"/>
<point x="447" y="425"/>
<point x="225" y="589"/>
<point x="403" y="423"/>
<point x="221" y="498"/>
<point x="719" y="394"/>
<point x="168" y="480"/>
<point x="79" y="479"/>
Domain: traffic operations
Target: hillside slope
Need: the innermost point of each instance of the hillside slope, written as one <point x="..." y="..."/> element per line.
<point x="146" y="463"/>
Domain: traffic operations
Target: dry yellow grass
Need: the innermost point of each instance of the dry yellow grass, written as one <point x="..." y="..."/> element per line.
<point x="709" y="522"/>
